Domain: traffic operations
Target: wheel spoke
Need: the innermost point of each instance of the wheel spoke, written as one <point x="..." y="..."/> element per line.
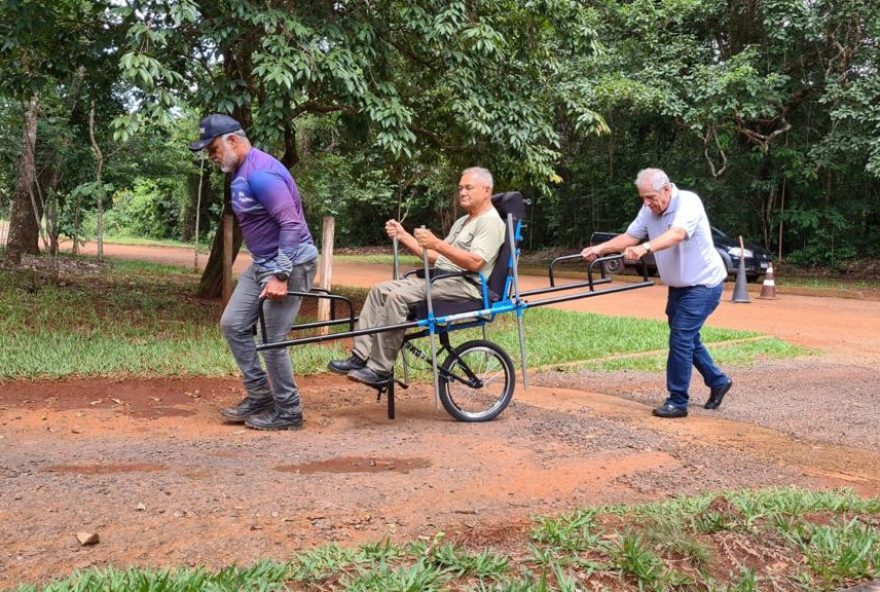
<point x="494" y="371"/>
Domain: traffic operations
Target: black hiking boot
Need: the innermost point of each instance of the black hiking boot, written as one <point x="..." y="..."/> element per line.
<point x="275" y="420"/>
<point x="246" y="408"/>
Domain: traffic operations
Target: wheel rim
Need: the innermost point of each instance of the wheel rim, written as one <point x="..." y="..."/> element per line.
<point x="613" y="266"/>
<point x="493" y="374"/>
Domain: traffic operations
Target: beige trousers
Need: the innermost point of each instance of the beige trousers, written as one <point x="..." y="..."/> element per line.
<point x="388" y="304"/>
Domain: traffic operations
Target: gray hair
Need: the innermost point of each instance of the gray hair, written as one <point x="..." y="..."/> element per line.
<point x="480" y="173"/>
<point x="240" y="133"/>
<point x="656" y="177"/>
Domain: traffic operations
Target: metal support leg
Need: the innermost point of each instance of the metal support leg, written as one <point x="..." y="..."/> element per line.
<point x="519" y="308"/>
<point x="431" y="328"/>
<point x="404" y="362"/>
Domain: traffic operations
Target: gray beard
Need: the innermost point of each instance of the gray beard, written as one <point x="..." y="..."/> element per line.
<point x="229" y="163"/>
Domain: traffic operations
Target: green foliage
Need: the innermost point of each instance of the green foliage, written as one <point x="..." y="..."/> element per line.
<point x="767" y="109"/>
<point x="146" y="210"/>
<point x="822" y="232"/>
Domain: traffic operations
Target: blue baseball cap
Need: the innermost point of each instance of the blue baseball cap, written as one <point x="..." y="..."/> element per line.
<point x="212" y="126"/>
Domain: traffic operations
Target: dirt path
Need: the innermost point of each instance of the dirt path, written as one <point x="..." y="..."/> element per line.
<point x="146" y="464"/>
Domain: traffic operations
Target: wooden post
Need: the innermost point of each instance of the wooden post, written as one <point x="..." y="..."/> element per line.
<point x="227" y="259"/>
<point x="328" y="229"/>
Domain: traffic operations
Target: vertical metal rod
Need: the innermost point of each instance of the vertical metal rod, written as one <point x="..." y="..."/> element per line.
<point x="198" y="211"/>
<point x="431" y="327"/>
<point x="396" y="273"/>
<point x="519" y="308"/>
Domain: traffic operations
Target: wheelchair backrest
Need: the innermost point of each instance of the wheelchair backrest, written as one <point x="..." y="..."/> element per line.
<point x="506" y="203"/>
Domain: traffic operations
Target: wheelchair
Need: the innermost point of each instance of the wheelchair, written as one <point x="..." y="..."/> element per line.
<point x="475" y="381"/>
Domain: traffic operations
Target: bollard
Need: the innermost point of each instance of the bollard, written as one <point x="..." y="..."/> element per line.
<point x="740" y="290"/>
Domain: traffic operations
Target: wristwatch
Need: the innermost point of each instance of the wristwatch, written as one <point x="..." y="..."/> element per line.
<point x="282" y="275"/>
<point x="647" y="246"/>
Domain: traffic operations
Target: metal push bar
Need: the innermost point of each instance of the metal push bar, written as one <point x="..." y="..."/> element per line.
<point x="442" y="323"/>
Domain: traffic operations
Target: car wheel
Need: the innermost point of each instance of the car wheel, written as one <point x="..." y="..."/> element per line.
<point x="613" y="266"/>
<point x="754" y="279"/>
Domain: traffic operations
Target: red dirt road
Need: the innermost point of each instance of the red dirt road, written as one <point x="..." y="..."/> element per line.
<point x="147" y="464"/>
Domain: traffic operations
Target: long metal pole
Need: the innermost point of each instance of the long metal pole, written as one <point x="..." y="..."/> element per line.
<point x="431" y="326"/>
<point x="519" y="308"/>
<point x="396" y="273"/>
<point x="198" y="211"/>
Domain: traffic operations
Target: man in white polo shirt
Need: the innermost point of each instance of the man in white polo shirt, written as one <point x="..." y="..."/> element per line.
<point x="680" y="237"/>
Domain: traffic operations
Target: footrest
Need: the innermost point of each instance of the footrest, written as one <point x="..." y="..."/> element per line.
<point x="388" y="388"/>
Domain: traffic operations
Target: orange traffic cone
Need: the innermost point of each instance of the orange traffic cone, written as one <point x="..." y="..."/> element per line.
<point x="768" y="290"/>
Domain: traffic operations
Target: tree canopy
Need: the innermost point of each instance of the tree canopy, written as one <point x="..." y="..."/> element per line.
<point x="766" y="108"/>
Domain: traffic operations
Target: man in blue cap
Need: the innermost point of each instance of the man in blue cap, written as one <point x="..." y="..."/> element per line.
<point x="267" y="205"/>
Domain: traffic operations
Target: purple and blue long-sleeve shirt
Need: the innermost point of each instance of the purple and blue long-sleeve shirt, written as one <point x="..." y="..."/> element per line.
<point x="267" y="204"/>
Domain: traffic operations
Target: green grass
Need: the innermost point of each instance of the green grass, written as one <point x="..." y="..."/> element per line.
<point x="739" y="354"/>
<point x="204" y="245"/>
<point x="823" y="283"/>
<point x="774" y="539"/>
<point x="141" y="318"/>
<point x="407" y="262"/>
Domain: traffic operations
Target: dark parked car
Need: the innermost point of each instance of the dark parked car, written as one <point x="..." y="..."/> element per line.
<point x="757" y="258"/>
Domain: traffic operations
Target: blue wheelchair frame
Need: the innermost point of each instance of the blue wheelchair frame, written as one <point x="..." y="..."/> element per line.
<point x="434" y="323"/>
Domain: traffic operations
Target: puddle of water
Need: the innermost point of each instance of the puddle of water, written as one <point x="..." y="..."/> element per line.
<point x="357" y="464"/>
<point x="104" y="469"/>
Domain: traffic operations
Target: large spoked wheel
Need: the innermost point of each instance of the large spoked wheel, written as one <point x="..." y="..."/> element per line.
<point x="476" y="381"/>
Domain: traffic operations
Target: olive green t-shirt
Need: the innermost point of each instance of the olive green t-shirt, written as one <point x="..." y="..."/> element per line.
<point x="482" y="236"/>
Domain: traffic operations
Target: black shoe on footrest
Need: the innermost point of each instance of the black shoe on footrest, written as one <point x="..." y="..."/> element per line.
<point x="345" y="366"/>
<point x="370" y="377"/>
<point x="246" y="408"/>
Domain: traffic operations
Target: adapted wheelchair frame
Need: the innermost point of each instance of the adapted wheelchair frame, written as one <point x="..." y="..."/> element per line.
<point x="476" y="380"/>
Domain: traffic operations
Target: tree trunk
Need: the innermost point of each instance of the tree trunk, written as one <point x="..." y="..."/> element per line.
<point x="24" y="228"/>
<point x="47" y="181"/>
<point x="203" y="214"/>
<point x="99" y="183"/>
<point x="211" y="284"/>
<point x="290" y="156"/>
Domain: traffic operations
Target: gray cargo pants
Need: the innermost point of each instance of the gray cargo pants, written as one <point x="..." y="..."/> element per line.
<point x="388" y="304"/>
<point x="238" y="321"/>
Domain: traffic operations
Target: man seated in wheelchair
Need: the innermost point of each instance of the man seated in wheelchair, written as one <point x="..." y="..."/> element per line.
<point x="472" y="245"/>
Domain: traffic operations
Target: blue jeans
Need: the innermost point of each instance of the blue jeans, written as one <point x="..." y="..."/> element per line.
<point x="238" y="321"/>
<point x="687" y="309"/>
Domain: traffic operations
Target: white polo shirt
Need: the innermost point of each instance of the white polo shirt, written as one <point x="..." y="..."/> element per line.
<point x="692" y="262"/>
